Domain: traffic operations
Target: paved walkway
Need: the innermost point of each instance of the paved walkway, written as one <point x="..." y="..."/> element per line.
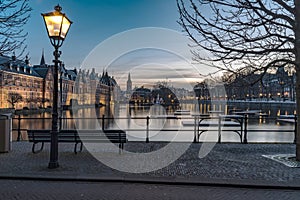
<point x="57" y="190"/>
<point x="234" y="164"/>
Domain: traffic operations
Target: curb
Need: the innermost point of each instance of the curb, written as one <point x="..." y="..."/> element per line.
<point x="162" y="181"/>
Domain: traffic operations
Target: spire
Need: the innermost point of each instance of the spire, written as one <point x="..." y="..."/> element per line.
<point x="129" y="84"/>
<point x="129" y="78"/>
<point x="43" y="59"/>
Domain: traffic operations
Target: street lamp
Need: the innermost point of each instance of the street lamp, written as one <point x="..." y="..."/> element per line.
<point x="282" y="89"/>
<point x="57" y="25"/>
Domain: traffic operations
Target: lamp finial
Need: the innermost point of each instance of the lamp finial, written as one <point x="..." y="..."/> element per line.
<point x="58" y="8"/>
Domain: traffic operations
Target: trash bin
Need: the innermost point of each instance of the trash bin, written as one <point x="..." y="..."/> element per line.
<point x="5" y="132"/>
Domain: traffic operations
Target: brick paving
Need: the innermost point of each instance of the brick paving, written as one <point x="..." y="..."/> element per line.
<point x="227" y="163"/>
<point x="37" y="190"/>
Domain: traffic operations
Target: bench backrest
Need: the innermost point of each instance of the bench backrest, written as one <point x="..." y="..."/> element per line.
<point x="78" y="135"/>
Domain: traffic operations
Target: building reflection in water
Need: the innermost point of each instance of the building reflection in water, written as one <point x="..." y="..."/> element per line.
<point x="87" y="118"/>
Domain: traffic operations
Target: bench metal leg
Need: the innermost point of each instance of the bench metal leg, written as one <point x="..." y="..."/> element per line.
<point x="75" y="148"/>
<point x="33" y="147"/>
<point x="240" y="135"/>
<point x="199" y="134"/>
<point x="121" y="148"/>
<point x="81" y="146"/>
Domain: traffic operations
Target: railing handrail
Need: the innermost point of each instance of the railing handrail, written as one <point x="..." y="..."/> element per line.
<point x="176" y="117"/>
<point x="157" y="117"/>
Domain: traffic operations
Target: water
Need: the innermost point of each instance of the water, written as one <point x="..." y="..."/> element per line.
<point x="133" y="119"/>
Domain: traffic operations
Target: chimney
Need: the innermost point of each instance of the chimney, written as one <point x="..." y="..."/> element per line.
<point x="27" y="60"/>
<point x="14" y="58"/>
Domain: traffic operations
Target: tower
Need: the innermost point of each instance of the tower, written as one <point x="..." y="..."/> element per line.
<point x="129" y="84"/>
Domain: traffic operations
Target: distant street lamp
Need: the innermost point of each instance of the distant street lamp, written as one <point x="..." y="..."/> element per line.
<point x="282" y="89"/>
<point x="57" y="25"/>
<point x="291" y="74"/>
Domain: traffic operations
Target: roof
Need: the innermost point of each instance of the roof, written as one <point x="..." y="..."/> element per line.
<point x="11" y="64"/>
<point x="107" y="80"/>
<point x="41" y="70"/>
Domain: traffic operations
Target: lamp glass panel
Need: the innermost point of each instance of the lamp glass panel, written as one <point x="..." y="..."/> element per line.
<point x="53" y="25"/>
<point x="65" y="27"/>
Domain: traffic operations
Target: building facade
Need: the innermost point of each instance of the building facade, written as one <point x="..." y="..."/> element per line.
<point x="276" y="86"/>
<point x="34" y="84"/>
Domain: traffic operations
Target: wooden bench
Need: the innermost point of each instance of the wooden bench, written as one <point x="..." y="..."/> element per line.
<point x="232" y="123"/>
<point x="77" y="137"/>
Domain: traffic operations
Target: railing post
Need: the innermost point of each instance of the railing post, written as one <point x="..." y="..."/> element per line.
<point x="219" y="129"/>
<point x="147" y="130"/>
<point x="19" y="128"/>
<point x="103" y="120"/>
<point x="60" y="122"/>
<point x="295" y="129"/>
<point x="245" y="129"/>
<point x="195" y="129"/>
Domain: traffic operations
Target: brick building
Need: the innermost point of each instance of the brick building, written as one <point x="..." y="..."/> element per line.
<point x="35" y="84"/>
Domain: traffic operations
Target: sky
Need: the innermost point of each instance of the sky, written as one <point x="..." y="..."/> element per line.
<point x="96" y="21"/>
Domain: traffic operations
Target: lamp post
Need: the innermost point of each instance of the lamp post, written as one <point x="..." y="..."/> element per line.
<point x="291" y="74"/>
<point x="61" y="94"/>
<point x="282" y="89"/>
<point x="57" y="25"/>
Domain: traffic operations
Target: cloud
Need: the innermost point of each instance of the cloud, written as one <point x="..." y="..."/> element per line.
<point x="148" y="54"/>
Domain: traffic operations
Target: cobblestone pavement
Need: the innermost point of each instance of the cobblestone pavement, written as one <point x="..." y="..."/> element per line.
<point x="39" y="190"/>
<point x="241" y="164"/>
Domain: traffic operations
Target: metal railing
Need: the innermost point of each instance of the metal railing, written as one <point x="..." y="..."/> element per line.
<point x="147" y="129"/>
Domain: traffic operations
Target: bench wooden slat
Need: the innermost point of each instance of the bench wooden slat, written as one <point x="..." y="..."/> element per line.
<point x="78" y="136"/>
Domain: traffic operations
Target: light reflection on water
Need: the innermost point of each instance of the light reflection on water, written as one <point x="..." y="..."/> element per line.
<point x="124" y="118"/>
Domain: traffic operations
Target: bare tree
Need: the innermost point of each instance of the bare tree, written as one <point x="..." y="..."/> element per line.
<point x="254" y="34"/>
<point x="14" y="14"/>
<point x="13" y="98"/>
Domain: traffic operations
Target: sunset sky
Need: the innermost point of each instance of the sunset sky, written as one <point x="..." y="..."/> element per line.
<point x="95" y="21"/>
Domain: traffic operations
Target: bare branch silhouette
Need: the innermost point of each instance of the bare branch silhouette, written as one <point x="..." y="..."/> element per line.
<point x="237" y="35"/>
<point x="14" y="14"/>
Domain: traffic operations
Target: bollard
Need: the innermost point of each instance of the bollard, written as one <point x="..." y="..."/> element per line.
<point x="19" y="128"/>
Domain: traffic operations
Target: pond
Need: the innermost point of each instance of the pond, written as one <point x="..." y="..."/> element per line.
<point x="134" y="120"/>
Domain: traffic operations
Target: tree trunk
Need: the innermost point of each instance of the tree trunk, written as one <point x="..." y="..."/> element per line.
<point x="298" y="114"/>
<point x="297" y="57"/>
